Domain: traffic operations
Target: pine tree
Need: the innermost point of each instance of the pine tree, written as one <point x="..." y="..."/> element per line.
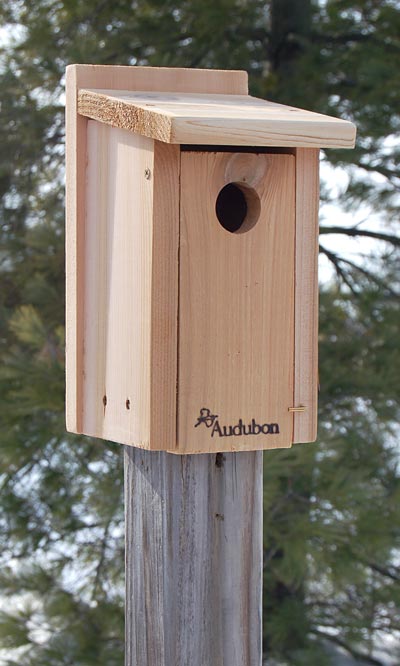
<point x="331" y="509"/>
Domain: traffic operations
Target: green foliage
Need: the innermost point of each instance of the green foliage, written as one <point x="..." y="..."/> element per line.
<point x="331" y="509"/>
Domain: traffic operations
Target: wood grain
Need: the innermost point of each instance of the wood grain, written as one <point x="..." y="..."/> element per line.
<point x="215" y="119"/>
<point x="74" y="249"/>
<point x="167" y="79"/>
<point x="117" y="303"/>
<point x="141" y="394"/>
<point x="236" y="302"/>
<point x="110" y="77"/>
<point x="193" y="559"/>
<point x="306" y="299"/>
<point x="164" y="296"/>
<point x="130" y="288"/>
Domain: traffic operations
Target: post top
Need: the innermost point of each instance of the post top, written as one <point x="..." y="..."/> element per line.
<point x="197" y="107"/>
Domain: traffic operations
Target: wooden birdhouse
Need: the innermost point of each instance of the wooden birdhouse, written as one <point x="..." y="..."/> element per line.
<point x="192" y="245"/>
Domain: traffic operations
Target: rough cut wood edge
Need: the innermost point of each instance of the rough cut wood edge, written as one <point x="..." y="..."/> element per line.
<point x="162" y="79"/>
<point x="164" y="296"/>
<point x="113" y="112"/>
<point x="75" y="217"/>
<point x="303" y="128"/>
<point x="306" y="295"/>
<point x="193" y="559"/>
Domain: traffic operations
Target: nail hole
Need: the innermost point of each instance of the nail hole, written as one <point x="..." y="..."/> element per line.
<point x="237" y="207"/>
<point x="128" y="404"/>
<point x="104" y="400"/>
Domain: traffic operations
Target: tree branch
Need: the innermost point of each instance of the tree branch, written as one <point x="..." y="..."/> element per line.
<point x="349" y="648"/>
<point x="355" y="231"/>
<point x="383" y="171"/>
<point x="388" y="573"/>
<point x="336" y="261"/>
<point x="363" y="271"/>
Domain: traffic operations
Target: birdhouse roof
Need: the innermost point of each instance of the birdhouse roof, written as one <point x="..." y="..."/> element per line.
<point x="214" y="119"/>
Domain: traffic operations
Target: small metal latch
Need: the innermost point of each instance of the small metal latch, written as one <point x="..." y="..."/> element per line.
<point x="297" y="409"/>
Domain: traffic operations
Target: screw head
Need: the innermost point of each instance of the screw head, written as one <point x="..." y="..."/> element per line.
<point x="147" y="173"/>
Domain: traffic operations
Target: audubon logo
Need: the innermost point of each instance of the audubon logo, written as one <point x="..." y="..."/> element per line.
<point x="239" y="429"/>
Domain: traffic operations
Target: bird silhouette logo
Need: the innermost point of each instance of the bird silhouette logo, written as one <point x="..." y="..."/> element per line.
<point x="206" y="417"/>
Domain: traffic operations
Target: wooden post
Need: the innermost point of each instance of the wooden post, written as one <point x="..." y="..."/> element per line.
<point x="193" y="559"/>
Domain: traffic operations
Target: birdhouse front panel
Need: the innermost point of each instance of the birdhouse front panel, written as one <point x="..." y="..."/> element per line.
<point x="192" y="248"/>
<point x="236" y="301"/>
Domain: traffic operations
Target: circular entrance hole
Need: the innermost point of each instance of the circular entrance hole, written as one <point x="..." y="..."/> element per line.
<point x="237" y="207"/>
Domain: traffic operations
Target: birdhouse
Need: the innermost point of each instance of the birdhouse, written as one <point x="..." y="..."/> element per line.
<point x="192" y="246"/>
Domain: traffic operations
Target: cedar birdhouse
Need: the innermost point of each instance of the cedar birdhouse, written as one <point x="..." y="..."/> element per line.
<point x="192" y="243"/>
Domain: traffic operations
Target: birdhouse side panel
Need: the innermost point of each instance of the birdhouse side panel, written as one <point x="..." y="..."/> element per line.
<point x="117" y="286"/>
<point x="306" y="295"/>
<point x="76" y="129"/>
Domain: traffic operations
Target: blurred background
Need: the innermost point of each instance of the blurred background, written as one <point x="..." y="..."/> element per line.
<point x="332" y="509"/>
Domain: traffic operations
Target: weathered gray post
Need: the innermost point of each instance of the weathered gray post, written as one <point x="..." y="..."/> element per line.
<point x="193" y="559"/>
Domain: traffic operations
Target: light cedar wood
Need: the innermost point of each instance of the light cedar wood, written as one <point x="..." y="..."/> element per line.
<point x="164" y="295"/>
<point x="193" y="559"/>
<point x="160" y="79"/>
<point x="75" y="242"/>
<point x="306" y="295"/>
<point x="130" y="288"/>
<point x="112" y="78"/>
<point x="117" y="280"/>
<point x="164" y="241"/>
<point x="216" y="119"/>
<point x="236" y="302"/>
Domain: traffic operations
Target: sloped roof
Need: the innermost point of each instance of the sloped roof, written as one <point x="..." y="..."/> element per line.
<point x="214" y="119"/>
